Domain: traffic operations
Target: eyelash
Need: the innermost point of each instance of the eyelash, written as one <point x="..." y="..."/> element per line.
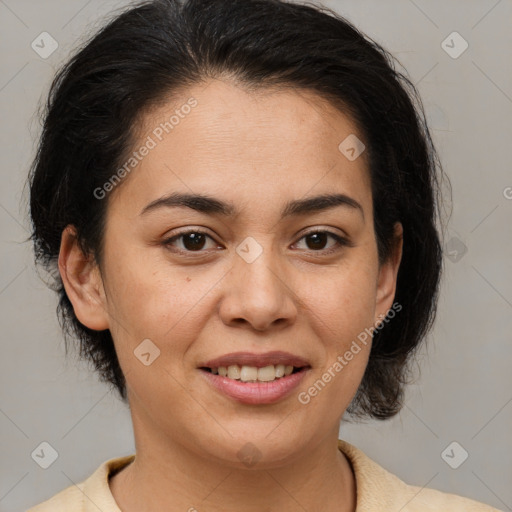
<point x="341" y="242"/>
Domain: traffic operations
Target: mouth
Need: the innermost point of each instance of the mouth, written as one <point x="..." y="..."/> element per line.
<point x="255" y="378"/>
<point x="245" y="373"/>
<point x="251" y="367"/>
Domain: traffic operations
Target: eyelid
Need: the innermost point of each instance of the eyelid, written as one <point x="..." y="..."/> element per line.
<point x="327" y="230"/>
<point x="168" y="239"/>
<point x="342" y="241"/>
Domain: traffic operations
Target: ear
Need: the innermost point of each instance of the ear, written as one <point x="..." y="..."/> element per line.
<point x="82" y="281"/>
<point x="386" y="283"/>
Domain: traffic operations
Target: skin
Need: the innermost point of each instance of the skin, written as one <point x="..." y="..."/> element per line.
<point x="257" y="150"/>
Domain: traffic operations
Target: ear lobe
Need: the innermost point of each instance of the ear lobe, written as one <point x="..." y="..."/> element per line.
<point x="82" y="281"/>
<point x="386" y="284"/>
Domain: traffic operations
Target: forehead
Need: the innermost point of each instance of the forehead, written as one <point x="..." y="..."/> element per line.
<point x="219" y="137"/>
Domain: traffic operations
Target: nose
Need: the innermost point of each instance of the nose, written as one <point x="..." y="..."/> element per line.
<point x="258" y="295"/>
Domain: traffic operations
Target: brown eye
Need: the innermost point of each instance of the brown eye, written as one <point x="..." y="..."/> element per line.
<point x="191" y="241"/>
<point x="317" y="240"/>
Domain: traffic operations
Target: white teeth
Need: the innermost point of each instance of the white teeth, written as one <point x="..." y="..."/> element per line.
<point x="267" y="373"/>
<point x="279" y="370"/>
<point x="252" y="373"/>
<point x="234" y="372"/>
<point x="248" y="373"/>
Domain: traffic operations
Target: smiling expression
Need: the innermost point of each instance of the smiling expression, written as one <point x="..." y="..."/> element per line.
<point x="244" y="231"/>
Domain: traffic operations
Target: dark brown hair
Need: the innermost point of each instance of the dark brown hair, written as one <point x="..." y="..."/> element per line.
<point x="153" y="48"/>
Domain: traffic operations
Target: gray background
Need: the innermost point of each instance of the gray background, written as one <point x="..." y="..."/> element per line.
<point x="463" y="392"/>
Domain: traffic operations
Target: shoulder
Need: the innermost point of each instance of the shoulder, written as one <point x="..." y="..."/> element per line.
<point x="89" y="495"/>
<point x="378" y="489"/>
<point x="71" y="498"/>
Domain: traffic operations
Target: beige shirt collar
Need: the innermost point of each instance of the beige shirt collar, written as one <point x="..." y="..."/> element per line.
<point x="377" y="490"/>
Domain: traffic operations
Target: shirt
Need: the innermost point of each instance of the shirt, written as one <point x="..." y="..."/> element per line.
<point x="377" y="491"/>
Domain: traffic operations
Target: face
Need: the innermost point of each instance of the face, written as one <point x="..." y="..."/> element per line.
<point x="260" y="274"/>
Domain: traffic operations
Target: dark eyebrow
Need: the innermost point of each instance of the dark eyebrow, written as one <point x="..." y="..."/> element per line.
<point x="210" y="205"/>
<point x="319" y="203"/>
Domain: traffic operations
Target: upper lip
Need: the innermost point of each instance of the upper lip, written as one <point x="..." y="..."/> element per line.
<point x="257" y="360"/>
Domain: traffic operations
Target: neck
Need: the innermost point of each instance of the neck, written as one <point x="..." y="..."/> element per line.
<point x="167" y="476"/>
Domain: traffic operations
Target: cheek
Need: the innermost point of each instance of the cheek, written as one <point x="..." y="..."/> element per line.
<point x="155" y="320"/>
<point x="148" y="300"/>
<point x="145" y="285"/>
<point x="343" y="301"/>
<point x="344" y="311"/>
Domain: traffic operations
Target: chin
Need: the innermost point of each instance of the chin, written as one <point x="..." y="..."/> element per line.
<point x="257" y="450"/>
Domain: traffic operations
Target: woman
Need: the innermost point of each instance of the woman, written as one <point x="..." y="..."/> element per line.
<point x="240" y="198"/>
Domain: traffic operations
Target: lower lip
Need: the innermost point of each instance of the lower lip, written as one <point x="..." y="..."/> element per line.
<point x="256" y="392"/>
